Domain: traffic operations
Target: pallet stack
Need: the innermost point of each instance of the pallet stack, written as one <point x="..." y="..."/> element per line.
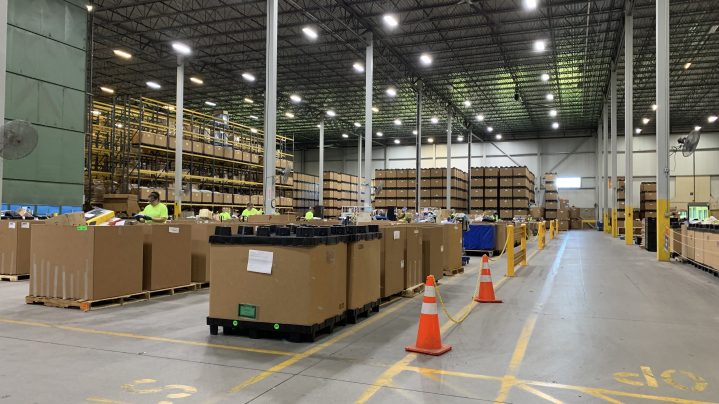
<point x="620" y="204"/>
<point x="399" y="188"/>
<point x="505" y="190"/>
<point x="305" y="192"/>
<point x="522" y="190"/>
<point x="648" y="200"/>
<point x="491" y="189"/>
<point x="551" y="196"/>
<point x="339" y="190"/>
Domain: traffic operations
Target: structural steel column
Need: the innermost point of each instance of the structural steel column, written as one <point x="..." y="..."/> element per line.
<point x="418" y="148"/>
<point x="663" y="127"/>
<point x="270" y="108"/>
<point x="613" y="191"/>
<point x="598" y="176"/>
<point x="605" y="166"/>
<point x="359" y="170"/>
<point x="469" y="171"/>
<point x="179" y="101"/>
<point x="321" y="169"/>
<point x="3" y="67"/>
<point x="628" y="129"/>
<point x="449" y="158"/>
<point x="369" y="69"/>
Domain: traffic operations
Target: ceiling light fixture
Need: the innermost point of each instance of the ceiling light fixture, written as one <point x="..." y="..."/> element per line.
<point x="645" y="120"/>
<point x="210" y="104"/>
<point x="344" y="135"/>
<point x="253" y="130"/>
<point x="181" y="48"/>
<point x="248" y="76"/>
<point x="498" y="136"/>
<point x="552" y="113"/>
<point x="107" y="90"/>
<point x="380" y="134"/>
<point x="358" y="67"/>
<point x="430" y="140"/>
<point x="545" y="77"/>
<point x="391" y="91"/>
<point x="196" y="80"/>
<point x="697" y="128"/>
<point x="425" y="59"/>
<point x="331" y="113"/>
<point x="295" y="98"/>
<point x="89" y="8"/>
<point x="397" y="122"/>
<point x="480" y="117"/>
<point x="460" y="138"/>
<point x="490" y="129"/>
<point x="555" y="125"/>
<point x="390" y="20"/>
<point x="119" y="125"/>
<point x="153" y="85"/>
<point x="654" y="107"/>
<point x="96" y="112"/>
<point x="248" y="100"/>
<point x="310" y="33"/>
<point x="712" y="118"/>
<point x="550" y="97"/>
<point x="289" y="114"/>
<point x="467" y="103"/>
<point x="638" y="130"/>
<point x="122" y="54"/>
<point x="434" y="120"/>
<point x="357" y="124"/>
<point x="530" y="4"/>
<point x="539" y="46"/>
<point x="396" y="141"/>
<point x="375" y="109"/>
<point x="414" y="132"/>
<point x="254" y="117"/>
<point x="687" y="65"/>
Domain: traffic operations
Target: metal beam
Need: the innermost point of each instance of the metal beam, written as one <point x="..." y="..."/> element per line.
<point x="3" y="66"/>
<point x="448" y="186"/>
<point x="605" y="165"/>
<point x="418" y="147"/>
<point x="180" y="87"/>
<point x="663" y="128"/>
<point x="321" y="168"/>
<point x="568" y="155"/>
<point x="270" y="169"/>
<point x="628" y="129"/>
<point x="613" y="113"/>
<point x="369" y="71"/>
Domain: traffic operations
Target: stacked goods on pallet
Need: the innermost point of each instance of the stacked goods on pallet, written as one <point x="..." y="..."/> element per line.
<point x="476" y="194"/>
<point x="563" y="214"/>
<point x="620" y="204"/>
<point x="305" y="192"/>
<point x="507" y="191"/>
<point x="490" y="189"/>
<point x="551" y="196"/>
<point x="522" y="190"/>
<point x="317" y="293"/>
<point x="399" y="188"/>
<point x="648" y="200"/>
<point x="15" y="246"/>
<point x="167" y="256"/>
<point x="339" y="190"/>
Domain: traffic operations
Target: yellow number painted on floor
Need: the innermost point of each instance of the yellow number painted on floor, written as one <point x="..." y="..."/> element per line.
<point x="136" y="388"/>
<point x="699" y="383"/>
<point x="646" y="378"/>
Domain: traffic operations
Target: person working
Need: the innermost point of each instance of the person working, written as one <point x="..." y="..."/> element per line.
<point x="155" y="210"/>
<point x="225" y="215"/>
<point x="309" y="215"/>
<point x="249" y="211"/>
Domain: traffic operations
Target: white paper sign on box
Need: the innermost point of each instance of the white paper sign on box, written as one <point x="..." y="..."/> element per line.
<point x="260" y="262"/>
<point x="396" y="234"/>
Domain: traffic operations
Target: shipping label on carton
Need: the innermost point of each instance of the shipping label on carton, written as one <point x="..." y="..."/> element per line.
<point x="174" y="230"/>
<point x="260" y="262"/>
<point x="11" y="225"/>
<point x="25" y="225"/>
<point x="397" y="234"/>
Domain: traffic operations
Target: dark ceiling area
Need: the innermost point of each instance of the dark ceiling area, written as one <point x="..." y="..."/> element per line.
<point x="485" y="61"/>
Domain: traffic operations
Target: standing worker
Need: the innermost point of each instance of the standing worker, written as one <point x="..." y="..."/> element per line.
<point x="309" y="215"/>
<point x="155" y="210"/>
<point x="249" y="211"/>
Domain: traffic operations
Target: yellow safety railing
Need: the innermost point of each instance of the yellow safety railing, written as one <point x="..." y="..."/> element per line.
<point x="540" y="235"/>
<point x="522" y="255"/>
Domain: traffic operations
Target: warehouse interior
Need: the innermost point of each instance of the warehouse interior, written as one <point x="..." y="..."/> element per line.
<point x="507" y="201"/>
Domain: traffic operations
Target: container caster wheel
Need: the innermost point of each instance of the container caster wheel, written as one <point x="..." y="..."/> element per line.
<point x="214" y="330"/>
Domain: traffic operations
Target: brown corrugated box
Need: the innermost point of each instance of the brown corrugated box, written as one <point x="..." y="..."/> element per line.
<point x="433" y="250"/>
<point x="392" y="263"/>
<point x="200" y="268"/>
<point x="452" y="246"/>
<point x="536" y="212"/>
<point x="86" y="262"/>
<point x="413" y="257"/>
<point x="167" y="256"/>
<point x="15" y="246"/>
<point x="563" y="225"/>
<point x="68" y="219"/>
<point x="687" y="242"/>
<point x="505" y="213"/>
<point x="305" y="287"/>
<point x="364" y="272"/>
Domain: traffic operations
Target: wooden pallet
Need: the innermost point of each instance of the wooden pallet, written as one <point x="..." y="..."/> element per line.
<point x="452" y="272"/>
<point x="14" y="278"/>
<point x="201" y="285"/>
<point x="173" y="290"/>
<point x="413" y="291"/>
<point x="87" y="305"/>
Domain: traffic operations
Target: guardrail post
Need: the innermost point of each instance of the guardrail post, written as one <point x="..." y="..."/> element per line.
<point x="523" y="245"/>
<point x="510" y="250"/>
<point x="551" y="230"/>
<point x="540" y="235"/>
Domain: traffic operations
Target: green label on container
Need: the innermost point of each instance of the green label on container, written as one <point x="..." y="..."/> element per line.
<point x="247" y="311"/>
<point x="81" y="228"/>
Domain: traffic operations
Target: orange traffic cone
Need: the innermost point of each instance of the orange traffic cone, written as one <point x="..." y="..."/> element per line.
<point x="429" y="340"/>
<point x="486" y="287"/>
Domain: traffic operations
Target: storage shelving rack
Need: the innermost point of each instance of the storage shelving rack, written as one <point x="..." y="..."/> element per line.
<point x="131" y="150"/>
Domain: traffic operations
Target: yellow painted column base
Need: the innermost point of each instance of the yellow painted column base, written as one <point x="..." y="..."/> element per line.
<point x="615" y="223"/>
<point x="178" y="210"/>
<point x="628" y="225"/>
<point x="510" y="250"/>
<point x="663" y="235"/>
<point x="606" y="222"/>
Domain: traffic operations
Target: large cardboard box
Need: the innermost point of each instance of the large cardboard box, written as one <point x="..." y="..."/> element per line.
<point x="413" y="257"/>
<point x="68" y="219"/>
<point x="711" y="245"/>
<point x="392" y="263"/>
<point x="15" y="246"/>
<point x="364" y="272"/>
<point x="699" y="246"/>
<point x="121" y="203"/>
<point x="563" y="214"/>
<point x="676" y="244"/>
<point x="167" y="256"/>
<point x="85" y="262"/>
<point x="687" y="242"/>
<point x="536" y="212"/>
<point x="563" y="225"/>
<point x="452" y="246"/>
<point x="305" y="286"/>
<point x="200" y="251"/>
<point x="587" y="213"/>
<point x="433" y="250"/>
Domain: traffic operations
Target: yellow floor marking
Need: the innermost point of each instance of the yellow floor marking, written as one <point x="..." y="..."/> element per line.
<point x="386" y="377"/>
<point x="104" y="400"/>
<point x="319" y="347"/>
<point x="443" y="372"/>
<point x="540" y="394"/>
<point x="605" y="398"/>
<point x="147" y="337"/>
<point x="649" y="376"/>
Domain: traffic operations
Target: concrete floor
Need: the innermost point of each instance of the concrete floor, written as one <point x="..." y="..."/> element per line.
<point x="590" y="320"/>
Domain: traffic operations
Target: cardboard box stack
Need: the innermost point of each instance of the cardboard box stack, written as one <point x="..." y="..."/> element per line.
<point x="620" y="204"/>
<point x="522" y="190"/>
<point x="339" y="190"/>
<point x="551" y="196"/>
<point x="399" y="188"/>
<point x="508" y="191"/>
<point x="15" y="246"/>
<point x="305" y="192"/>
<point x="563" y="214"/>
<point x="648" y="199"/>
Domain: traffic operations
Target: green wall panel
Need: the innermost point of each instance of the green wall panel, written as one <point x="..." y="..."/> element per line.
<point x="45" y="86"/>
